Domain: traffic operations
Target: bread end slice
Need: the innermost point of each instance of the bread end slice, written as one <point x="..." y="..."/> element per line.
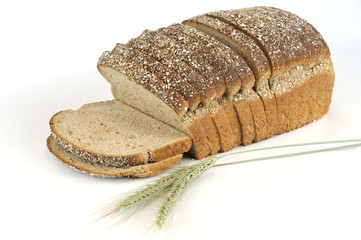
<point x="144" y="170"/>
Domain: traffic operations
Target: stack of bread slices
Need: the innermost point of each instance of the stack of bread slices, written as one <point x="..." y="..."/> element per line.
<point x="207" y="85"/>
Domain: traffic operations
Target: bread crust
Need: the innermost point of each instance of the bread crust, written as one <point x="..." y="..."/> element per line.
<point x="246" y="118"/>
<point x="246" y="46"/>
<point x="211" y="131"/>
<point x="215" y="58"/>
<point x="201" y="147"/>
<point x="244" y="72"/>
<point x="195" y="58"/>
<point x="307" y="97"/>
<point x="144" y="170"/>
<point x="224" y="128"/>
<point x="158" y="48"/>
<point x="271" y="111"/>
<point x="234" y="121"/>
<point x="259" y="117"/>
<point x="235" y="62"/>
<point x="295" y="43"/>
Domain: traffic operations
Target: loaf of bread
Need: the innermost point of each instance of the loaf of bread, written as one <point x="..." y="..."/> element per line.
<point x="207" y="85"/>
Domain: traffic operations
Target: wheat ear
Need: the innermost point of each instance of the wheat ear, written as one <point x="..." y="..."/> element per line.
<point x="139" y="197"/>
<point x="179" y="186"/>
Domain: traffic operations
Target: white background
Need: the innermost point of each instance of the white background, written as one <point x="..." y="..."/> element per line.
<point x="48" y="55"/>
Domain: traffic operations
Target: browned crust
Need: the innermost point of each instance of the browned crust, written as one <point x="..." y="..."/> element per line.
<point x="230" y="76"/>
<point x="195" y="56"/>
<point x="200" y="146"/>
<point x="287" y="107"/>
<point x="213" y="55"/>
<point x="240" y="66"/>
<point x="223" y="126"/>
<point x="270" y="108"/>
<point x="150" y="44"/>
<point x="145" y="170"/>
<point x="163" y="73"/>
<point x="296" y="43"/>
<point x="246" y="119"/>
<point x="308" y="101"/>
<point x="259" y="118"/>
<point x="249" y="50"/>
<point x="170" y="150"/>
<point x="234" y="62"/>
<point x="234" y="121"/>
<point x="211" y="131"/>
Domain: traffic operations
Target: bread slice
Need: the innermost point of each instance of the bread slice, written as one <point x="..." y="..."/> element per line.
<point x="223" y="125"/>
<point x="214" y="58"/>
<point x="153" y="45"/>
<point x="116" y="135"/>
<point x="163" y="73"/>
<point x="245" y="116"/>
<point x="234" y="120"/>
<point x="210" y="129"/>
<point x="239" y="42"/>
<point x="194" y="56"/>
<point x="201" y="146"/>
<point x="245" y="78"/>
<point x="131" y="80"/>
<point x="98" y="169"/>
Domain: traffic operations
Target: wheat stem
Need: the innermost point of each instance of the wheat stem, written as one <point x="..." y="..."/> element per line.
<point x="293" y="145"/>
<point x="286" y="155"/>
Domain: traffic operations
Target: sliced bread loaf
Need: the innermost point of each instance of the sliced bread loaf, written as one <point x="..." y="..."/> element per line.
<point x="255" y="58"/>
<point x="247" y="74"/>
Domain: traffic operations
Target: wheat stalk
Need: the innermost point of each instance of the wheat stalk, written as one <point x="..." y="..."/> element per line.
<point x="172" y="186"/>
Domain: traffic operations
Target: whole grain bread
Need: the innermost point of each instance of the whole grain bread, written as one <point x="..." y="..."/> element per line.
<point x="218" y="80"/>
